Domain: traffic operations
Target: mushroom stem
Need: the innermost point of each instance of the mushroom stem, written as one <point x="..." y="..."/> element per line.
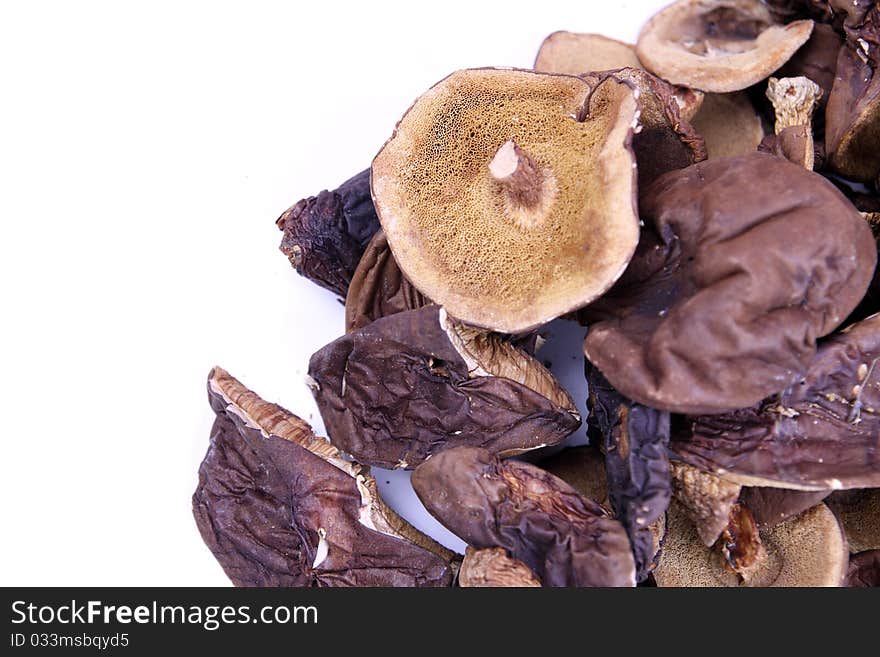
<point x="794" y="99"/>
<point x="518" y="174"/>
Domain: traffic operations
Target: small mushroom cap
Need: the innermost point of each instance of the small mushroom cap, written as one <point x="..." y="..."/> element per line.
<point x="808" y="550"/>
<point x="510" y="253"/>
<point x="493" y="567"/>
<point x="859" y="513"/>
<point x="718" y="45"/>
<point x="729" y="125"/>
<point x="572" y="53"/>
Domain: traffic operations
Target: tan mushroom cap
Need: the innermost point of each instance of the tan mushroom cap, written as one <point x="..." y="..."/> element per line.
<point x="493" y="567"/>
<point x="807" y="550"/>
<point x="508" y="196"/>
<point x="718" y="45"/>
<point x="573" y="54"/>
<point x="859" y="513"/>
<point x="582" y="468"/>
<point x="729" y="124"/>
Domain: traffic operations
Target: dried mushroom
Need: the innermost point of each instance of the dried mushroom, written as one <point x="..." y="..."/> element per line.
<point x="493" y="567"/>
<point x="406" y="386"/>
<point x="561" y="536"/>
<point x="508" y="196"/>
<point x="718" y="45"/>
<point x="809" y="550"/>
<point x="771" y="506"/>
<point x="794" y="101"/>
<point x="822" y="432"/>
<point x="859" y="513"/>
<point x="325" y="235"/>
<point x="727" y="293"/>
<point x="582" y="468"/>
<point x="864" y="570"/>
<point x="706" y="498"/>
<point x="816" y="60"/>
<point x="378" y="288"/>
<point x="279" y="506"/>
<point x="571" y="53"/>
<point x="634" y="440"/>
<point x="729" y="125"/>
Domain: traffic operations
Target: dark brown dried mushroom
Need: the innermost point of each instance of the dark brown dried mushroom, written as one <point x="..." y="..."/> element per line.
<point x="718" y="45"/>
<point x="729" y="125"/>
<point x="325" y="235"/>
<point x="378" y="288"/>
<point x="859" y="513"/>
<point x="633" y="440"/>
<point x="864" y="570"/>
<point x="493" y="567"/>
<point x="822" y="432"/>
<point x="582" y="468"/>
<point x="279" y="506"/>
<point x="406" y="386"/>
<point x="508" y="196"/>
<point x="771" y="506"/>
<point x="571" y="53"/>
<point x="809" y="550"/>
<point x="728" y="291"/>
<point x="706" y="498"/>
<point x="564" y="538"/>
<point x="816" y="60"/>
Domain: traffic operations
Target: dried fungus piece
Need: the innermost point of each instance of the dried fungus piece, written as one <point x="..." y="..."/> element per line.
<point x="794" y="101"/>
<point x="325" y="235"/>
<point x="741" y="546"/>
<point x="378" y="288"/>
<point x="809" y="550"/>
<point x="582" y="468"/>
<point x="723" y="302"/>
<point x="571" y="53"/>
<point x="493" y="567"/>
<point x="859" y="513"/>
<point x="729" y="125"/>
<point x="406" y="386"/>
<point x="707" y="499"/>
<point x="508" y="196"/>
<point x="634" y="440"/>
<point x="561" y="536"/>
<point x="864" y="570"/>
<point x="279" y="506"/>
<point x="718" y="45"/>
<point x="772" y="506"/>
<point x="816" y="60"/>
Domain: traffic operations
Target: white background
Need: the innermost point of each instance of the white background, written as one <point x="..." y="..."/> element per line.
<point x="145" y="153"/>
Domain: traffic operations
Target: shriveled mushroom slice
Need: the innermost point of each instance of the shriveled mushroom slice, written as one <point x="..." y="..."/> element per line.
<point x="794" y="101"/>
<point x="508" y="196"/>
<point x="859" y="513"/>
<point x="820" y="433"/>
<point x="493" y="567"/>
<point x="582" y="468"/>
<point x="729" y="125"/>
<point x="634" y="440"/>
<point x="564" y="538"/>
<point x="718" y="45"/>
<point x="378" y="288"/>
<point x="325" y="235"/>
<point x="727" y="293"/>
<point x="808" y="550"/>
<point x="864" y="570"/>
<point x="279" y="506"/>
<point x="706" y="498"/>
<point x="771" y="506"/>
<point x="406" y="386"/>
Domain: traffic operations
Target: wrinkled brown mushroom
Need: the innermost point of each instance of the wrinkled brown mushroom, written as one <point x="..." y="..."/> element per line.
<point x="729" y="124"/>
<point x="508" y="196"/>
<point x="771" y="506"/>
<point x="718" y="45"/>
<point x="493" y="567"/>
<point x="582" y="468"/>
<point x="859" y="513"/>
<point x="279" y="506"/>
<point x="564" y="538"/>
<point x="822" y="432"/>
<point x="808" y="550"/>
<point x="706" y="498"/>
<point x="794" y="101"/>
<point x="325" y="235"/>
<point x="864" y="570"/>
<point x="378" y="288"/>
<point x="728" y="291"/>
<point x="408" y="385"/>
